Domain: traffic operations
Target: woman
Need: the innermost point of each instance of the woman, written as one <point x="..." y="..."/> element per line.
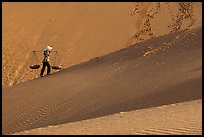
<point x="46" y="61"/>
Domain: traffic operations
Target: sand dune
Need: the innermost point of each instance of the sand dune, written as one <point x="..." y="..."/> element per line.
<point x="82" y="31"/>
<point x="171" y="119"/>
<point x="159" y="71"/>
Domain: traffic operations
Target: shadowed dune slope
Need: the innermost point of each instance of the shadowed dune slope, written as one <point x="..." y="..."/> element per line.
<point x="155" y="72"/>
<point x="175" y="119"/>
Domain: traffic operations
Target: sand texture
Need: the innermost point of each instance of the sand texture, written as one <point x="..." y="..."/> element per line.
<point x="128" y="68"/>
<point x="125" y="80"/>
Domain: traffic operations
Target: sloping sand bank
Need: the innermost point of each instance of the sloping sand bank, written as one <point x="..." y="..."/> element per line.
<point x="159" y="71"/>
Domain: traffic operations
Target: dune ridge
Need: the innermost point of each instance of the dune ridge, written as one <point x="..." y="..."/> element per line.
<point x="174" y="122"/>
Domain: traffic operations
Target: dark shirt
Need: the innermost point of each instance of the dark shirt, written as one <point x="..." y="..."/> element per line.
<point x="46" y="56"/>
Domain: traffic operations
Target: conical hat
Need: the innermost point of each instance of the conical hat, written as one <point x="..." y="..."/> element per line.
<point x="48" y="48"/>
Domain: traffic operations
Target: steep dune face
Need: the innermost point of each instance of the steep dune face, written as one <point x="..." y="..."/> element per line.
<point x="159" y="71"/>
<point x="81" y="31"/>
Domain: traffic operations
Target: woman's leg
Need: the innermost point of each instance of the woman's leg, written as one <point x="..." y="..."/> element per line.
<point x="48" y="68"/>
<point x="43" y="69"/>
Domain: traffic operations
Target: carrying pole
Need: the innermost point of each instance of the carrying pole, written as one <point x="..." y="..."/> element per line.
<point x="43" y="51"/>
